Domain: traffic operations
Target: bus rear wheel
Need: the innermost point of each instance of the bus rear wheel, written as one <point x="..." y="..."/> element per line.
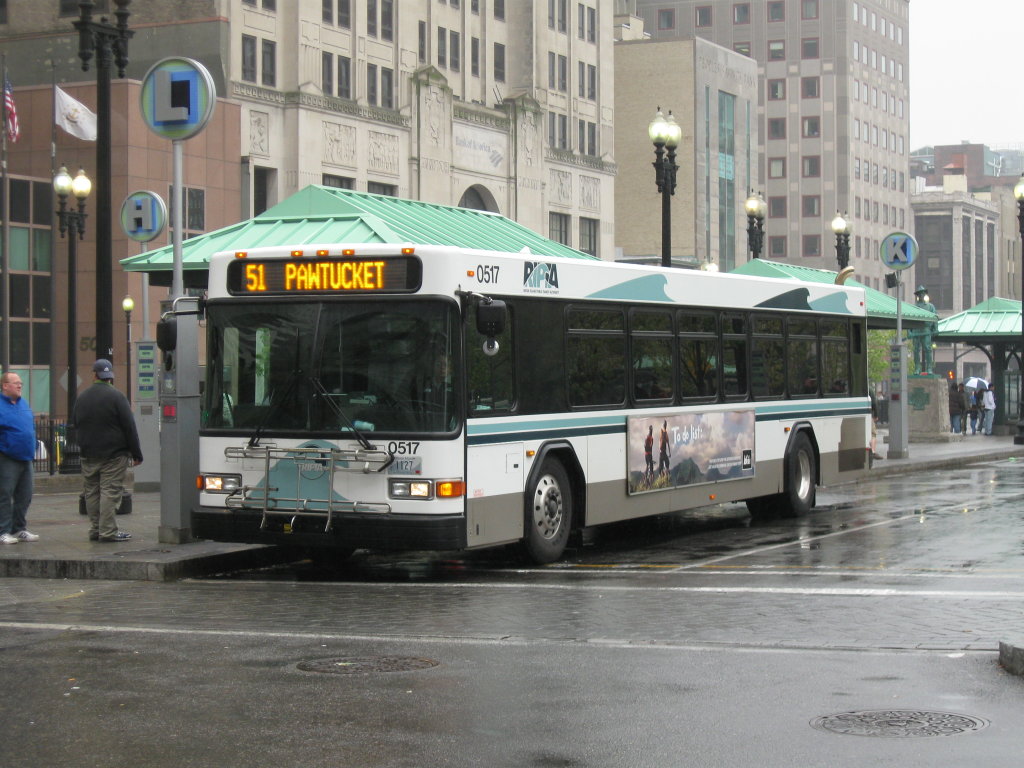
<point x="548" y="513"/>
<point x="800" y="493"/>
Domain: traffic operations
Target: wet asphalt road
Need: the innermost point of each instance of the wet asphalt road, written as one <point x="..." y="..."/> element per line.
<point x="697" y="639"/>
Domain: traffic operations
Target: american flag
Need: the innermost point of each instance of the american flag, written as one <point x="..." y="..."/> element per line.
<point x="13" y="131"/>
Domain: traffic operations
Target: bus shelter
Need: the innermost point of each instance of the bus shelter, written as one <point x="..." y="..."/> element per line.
<point x="993" y="327"/>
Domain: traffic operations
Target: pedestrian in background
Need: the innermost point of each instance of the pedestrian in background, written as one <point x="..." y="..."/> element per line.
<point x="109" y="444"/>
<point x="988" y="402"/>
<point x="973" y="410"/>
<point x="957" y="406"/>
<point x="963" y="414"/>
<point x="17" y="450"/>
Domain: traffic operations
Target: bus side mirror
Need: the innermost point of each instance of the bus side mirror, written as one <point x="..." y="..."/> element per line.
<point x="167" y="333"/>
<point x="490" y="322"/>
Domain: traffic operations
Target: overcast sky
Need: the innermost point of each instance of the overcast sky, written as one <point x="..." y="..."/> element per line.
<point x="966" y="72"/>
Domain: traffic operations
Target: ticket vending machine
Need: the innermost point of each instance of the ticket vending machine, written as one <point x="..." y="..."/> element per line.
<point x="146" y="408"/>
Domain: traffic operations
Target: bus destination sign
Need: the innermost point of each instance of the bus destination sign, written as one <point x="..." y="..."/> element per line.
<point x="323" y="275"/>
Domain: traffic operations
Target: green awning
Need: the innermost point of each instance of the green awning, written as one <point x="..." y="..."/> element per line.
<point x="322" y="215"/>
<point x="881" y="307"/>
<point x="991" y="321"/>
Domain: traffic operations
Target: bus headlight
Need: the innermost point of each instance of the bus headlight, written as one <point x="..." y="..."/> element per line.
<point x="220" y="483"/>
<point x="411" y="489"/>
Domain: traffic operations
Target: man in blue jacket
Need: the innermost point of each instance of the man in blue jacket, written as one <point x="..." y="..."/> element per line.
<point x="109" y="444"/>
<point x="17" y="450"/>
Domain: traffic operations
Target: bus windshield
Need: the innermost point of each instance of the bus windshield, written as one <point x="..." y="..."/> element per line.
<point x="323" y="368"/>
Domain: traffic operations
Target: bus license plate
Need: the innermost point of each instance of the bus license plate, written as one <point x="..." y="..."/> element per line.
<point x="412" y="465"/>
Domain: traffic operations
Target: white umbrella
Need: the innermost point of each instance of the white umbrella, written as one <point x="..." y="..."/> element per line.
<point x="975" y="382"/>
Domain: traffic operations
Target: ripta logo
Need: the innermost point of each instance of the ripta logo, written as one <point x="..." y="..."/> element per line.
<point x="540" y="275"/>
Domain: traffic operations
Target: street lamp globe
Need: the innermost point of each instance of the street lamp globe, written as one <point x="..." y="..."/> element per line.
<point x="81" y="186"/>
<point x="755" y="206"/>
<point x="1018" y="190"/>
<point x="840" y="225"/>
<point x="62" y="182"/>
<point x="127" y="304"/>
<point x="657" y="129"/>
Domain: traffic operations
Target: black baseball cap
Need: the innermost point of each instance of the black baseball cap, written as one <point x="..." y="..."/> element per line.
<point x="103" y="370"/>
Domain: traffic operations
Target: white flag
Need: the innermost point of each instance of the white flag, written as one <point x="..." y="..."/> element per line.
<point x="74" y="117"/>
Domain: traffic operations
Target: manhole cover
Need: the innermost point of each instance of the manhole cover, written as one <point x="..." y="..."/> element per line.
<point x="357" y="665"/>
<point x="899" y="723"/>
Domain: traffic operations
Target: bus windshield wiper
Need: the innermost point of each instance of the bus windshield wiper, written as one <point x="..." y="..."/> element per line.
<point x="321" y="390"/>
<point x="273" y="408"/>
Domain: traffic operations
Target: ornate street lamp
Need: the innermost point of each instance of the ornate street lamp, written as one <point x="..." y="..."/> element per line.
<point x="128" y="304"/>
<point x="665" y="133"/>
<point x="109" y="44"/>
<point x="842" y="228"/>
<point x="1018" y="193"/>
<point x="72" y="223"/>
<point x="756" y="208"/>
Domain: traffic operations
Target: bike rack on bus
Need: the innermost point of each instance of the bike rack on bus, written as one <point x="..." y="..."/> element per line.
<point x="258" y="497"/>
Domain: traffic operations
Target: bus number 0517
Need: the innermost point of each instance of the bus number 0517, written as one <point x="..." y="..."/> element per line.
<point x="486" y="273"/>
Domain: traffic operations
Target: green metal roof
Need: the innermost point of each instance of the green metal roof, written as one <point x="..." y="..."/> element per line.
<point x="328" y="215"/>
<point x="881" y="307"/>
<point x="991" y="321"/>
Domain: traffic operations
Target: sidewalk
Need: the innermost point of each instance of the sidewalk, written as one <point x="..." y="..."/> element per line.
<point x="64" y="551"/>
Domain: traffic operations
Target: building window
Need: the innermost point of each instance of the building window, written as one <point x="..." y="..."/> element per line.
<point x="776" y="50"/>
<point x="387" y="88"/>
<point x="499" y="61"/>
<point x="558" y="227"/>
<point x="811" y="127"/>
<point x="328" y="11"/>
<point x="592" y="139"/>
<point x="741" y="13"/>
<point x="371" y="18"/>
<point x="591" y="82"/>
<point x="338" y="182"/>
<point x="345" y="77"/>
<point x="703" y="16"/>
<point x="499" y="10"/>
<point x="269" y="63"/>
<point x="371" y="84"/>
<point x="581" y="21"/>
<point x="810" y="166"/>
<point x="776" y="167"/>
<point x="589" y="229"/>
<point x="809" y="9"/>
<point x="666" y="19"/>
<point x="327" y="73"/>
<point x="552" y="72"/>
<point x="591" y="25"/>
<point x="422" y="43"/>
<point x="248" y="59"/>
<point x="809" y="48"/>
<point x="454" y="51"/>
<point x="563" y="74"/>
<point x="811" y="245"/>
<point x="777" y="10"/>
<point x="345" y="14"/>
<point x="777" y="207"/>
<point x="442" y="47"/>
<point x="377" y="188"/>
<point x="777" y="247"/>
<point x="776" y="127"/>
<point x="387" y="20"/>
<point x="811" y="205"/>
<point x="776" y="89"/>
<point x="474" y="57"/>
<point x="810" y="87"/>
<point x="743" y="47"/>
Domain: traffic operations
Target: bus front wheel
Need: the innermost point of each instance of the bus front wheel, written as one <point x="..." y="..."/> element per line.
<point x="548" y="513"/>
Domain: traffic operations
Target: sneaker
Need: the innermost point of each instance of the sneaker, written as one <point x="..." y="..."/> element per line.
<point x="26" y="536"/>
<point x="7" y="538"/>
<point x="119" y="536"/>
<point x="93" y="536"/>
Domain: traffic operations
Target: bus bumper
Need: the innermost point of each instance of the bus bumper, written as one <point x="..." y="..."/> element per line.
<point x="353" y="531"/>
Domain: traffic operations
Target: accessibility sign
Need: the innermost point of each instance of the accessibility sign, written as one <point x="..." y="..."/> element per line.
<point x="899" y="250"/>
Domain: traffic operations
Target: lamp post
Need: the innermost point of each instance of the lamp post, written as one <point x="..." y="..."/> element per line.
<point x="109" y="44"/>
<point x="756" y="208"/>
<point x="72" y="223"/>
<point x="128" y="304"/>
<point x="665" y="133"/>
<point x="1018" y="193"/>
<point x="842" y="228"/>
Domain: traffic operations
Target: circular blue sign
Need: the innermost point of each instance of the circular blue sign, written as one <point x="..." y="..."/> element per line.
<point x="177" y="98"/>
<point x="143" y="216"/>
<point x="899" y="250"/>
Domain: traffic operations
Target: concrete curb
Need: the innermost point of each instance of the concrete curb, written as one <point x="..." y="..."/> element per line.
<point x="182" y="562"/>
<point x="1011" y="658"/>
<point x="902" y="466"/>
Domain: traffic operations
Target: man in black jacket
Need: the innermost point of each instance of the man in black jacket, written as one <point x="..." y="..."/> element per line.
<point x="109" y="444"/>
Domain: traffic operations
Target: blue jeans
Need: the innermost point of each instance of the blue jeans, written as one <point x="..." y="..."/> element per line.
<point x="15" y="493"/>
<point x="990" y="414"/>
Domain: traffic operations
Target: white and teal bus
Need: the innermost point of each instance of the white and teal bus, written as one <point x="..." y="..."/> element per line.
<point x="435" y="397"/>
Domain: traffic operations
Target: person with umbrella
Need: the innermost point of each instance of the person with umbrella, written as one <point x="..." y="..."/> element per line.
<point x="974" y="386"/>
